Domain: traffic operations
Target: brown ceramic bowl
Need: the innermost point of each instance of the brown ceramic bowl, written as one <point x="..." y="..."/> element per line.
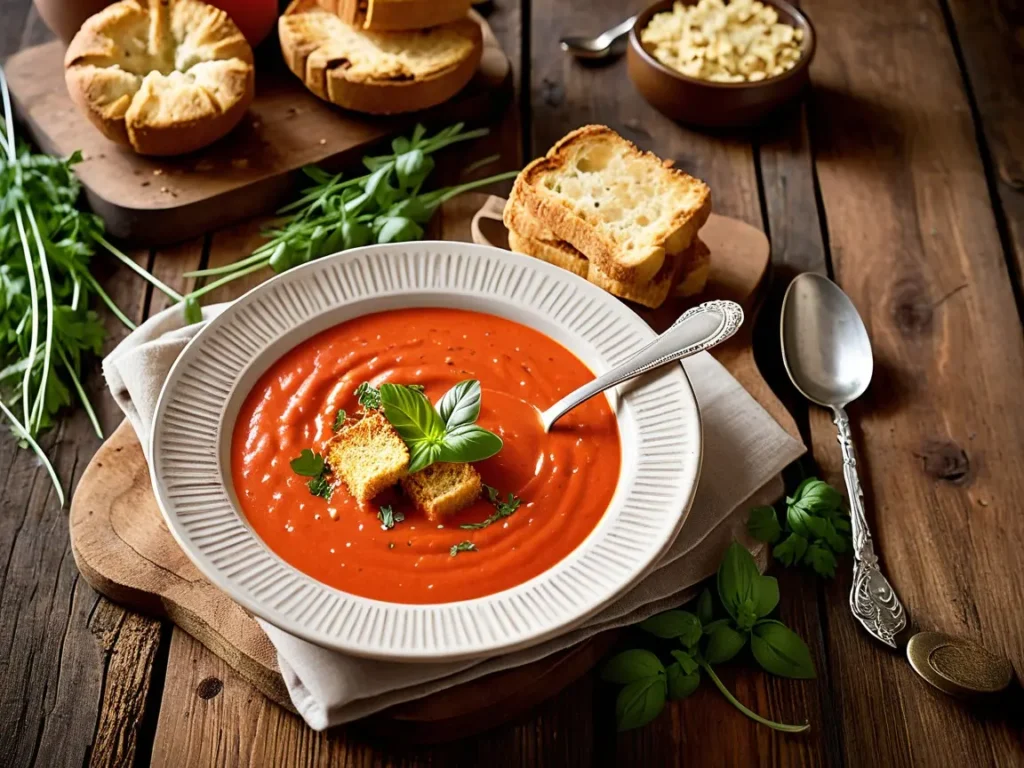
<point x="711" y="104"/>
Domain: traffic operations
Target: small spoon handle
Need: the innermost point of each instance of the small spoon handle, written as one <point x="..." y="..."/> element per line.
<point x="872" y="598"/>
<point x="697" y="329"/>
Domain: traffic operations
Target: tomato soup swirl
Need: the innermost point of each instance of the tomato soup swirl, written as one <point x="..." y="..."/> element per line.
<point x="565" y="479"/>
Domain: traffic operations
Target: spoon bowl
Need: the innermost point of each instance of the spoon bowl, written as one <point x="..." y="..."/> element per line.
<point x="826" y="349"/>
<point x="599" y="46"/>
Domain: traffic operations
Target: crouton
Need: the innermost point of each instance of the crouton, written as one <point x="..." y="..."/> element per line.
<point x="442" y="489"/>
<point x="368" y="456"/>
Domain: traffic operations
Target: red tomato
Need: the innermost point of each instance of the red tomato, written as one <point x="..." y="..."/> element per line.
<point x="254" y="17"/>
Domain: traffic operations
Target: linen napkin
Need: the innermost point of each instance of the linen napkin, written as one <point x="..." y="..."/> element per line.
<point x="744" y="452"/>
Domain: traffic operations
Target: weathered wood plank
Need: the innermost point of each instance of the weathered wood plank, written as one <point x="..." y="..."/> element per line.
<point x="991" y="47"/>
<point x="914" y="242"/>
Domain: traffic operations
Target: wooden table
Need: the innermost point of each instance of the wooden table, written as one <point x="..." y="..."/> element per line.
<point x="903" y="178"/>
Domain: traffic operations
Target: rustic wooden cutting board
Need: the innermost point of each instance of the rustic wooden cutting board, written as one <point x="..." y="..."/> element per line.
<point x="125" y="551"/>
<point x="153" y="201"/>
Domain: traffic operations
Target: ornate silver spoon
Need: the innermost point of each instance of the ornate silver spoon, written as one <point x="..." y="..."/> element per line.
<point x="827" y="354"/>
<point x="697" y="329"/>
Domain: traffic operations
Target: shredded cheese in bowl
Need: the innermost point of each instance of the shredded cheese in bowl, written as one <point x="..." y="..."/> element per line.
<point x="736" y="42"/>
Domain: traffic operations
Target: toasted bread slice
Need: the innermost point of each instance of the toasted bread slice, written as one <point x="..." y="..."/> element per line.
<point x="442" y="489"/>
<point x="395" y="15"/>
<point x="651" y="293"/>
<point x="693" y="274"/>
<point x="368" y="456"/>
<point x="373" y="72"/>
<point x="625" y="209"/>
<point x="557" y="252"/>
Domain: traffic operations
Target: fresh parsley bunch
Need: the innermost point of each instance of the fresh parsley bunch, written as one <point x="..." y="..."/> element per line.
<point x="817" y="525"/>
<point x="748" y="598"/>
<point x="446" y="433"/>
<point x="386" y="205"/>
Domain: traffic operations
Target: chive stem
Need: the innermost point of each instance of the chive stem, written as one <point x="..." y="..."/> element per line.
<point x="21" y="432"/>
<point x="225" y="280"/>
<point x="33" y="290"/>
<point x="44" y="268"/>
<point x="167" y="290"/>
<point x="81" y="393"/>
<point x="750" y="713"/>
<point x="105" y="298"/>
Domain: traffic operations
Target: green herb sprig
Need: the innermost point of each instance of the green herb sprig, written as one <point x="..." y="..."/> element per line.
<point x="446" y="433"/>
<point x="815" y="529"/>
<point x="502" y="509"/>
<point x="313" y="466"/>
<point x="339" y="420"/>
<point x="368" y="396"/>
<point x="386" y="205"/>
<point x="462" y="546"/>
<point x="388" y="518"/>
<point x="748" y="598"/>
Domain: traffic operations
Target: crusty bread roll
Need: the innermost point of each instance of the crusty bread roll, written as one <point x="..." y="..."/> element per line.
<point x="394" y="15"/>
<point x="164" y="76"/>
<point x="378" y="73"/>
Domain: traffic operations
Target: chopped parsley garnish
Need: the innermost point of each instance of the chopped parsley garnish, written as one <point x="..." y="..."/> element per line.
<point x="339" y="419"/>
<point x="312" y="465"/>
<point x="368" y="396"/>
<point x="462" y="546"/>
<point x="388" y="517"/>
<point x="417" y="388"/>
<point x="501" y="508"/>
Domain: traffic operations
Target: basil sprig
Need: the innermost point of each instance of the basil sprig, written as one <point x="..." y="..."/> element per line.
<point x="747" y="597"/>
<point x="446" y="433"/>
<point x="816" y="527"/>
<point x="313" y="466"/>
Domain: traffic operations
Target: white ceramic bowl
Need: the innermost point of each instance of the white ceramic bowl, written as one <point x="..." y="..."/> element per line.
<point x="659" y="429"/>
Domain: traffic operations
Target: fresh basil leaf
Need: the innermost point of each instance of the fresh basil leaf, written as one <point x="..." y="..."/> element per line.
<point x="791" y="549"/>
<point x="780" y="650"/>
<point x="686" y="662"/>
<point x="746" y="614"/>
<point x="767" y="596"/>
<point x="800" y="490"/>
<point x="467" y="443"/>
<point x="671" y="624"/>
<point x="354" y="234"/>
<point x="680" y="683"/>
<point x="460" y="404"/>
<point x="410" y="208"/>
<point x="836" y="541"/>
<point x="763" y="525"/>
<point x="412" y="167"/>
<point x="640" y="702"/>
<point x="411" y="414"/>
<point x="422" y="455"/>
<point x="738" y="578"/>
<point x="400" y="145"/>
<point x="307" y="463"/>
<point x="705" y="607"/>
<point x="815" y="497"/>
<point x="797" y="519"/>
<point x="723" y="643"/>
<point x="821" y="559"/>
<point x="630" y="666"/>
<point x="398" y="229"/>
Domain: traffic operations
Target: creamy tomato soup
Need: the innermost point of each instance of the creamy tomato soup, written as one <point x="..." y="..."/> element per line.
<point x="565" y="479"/>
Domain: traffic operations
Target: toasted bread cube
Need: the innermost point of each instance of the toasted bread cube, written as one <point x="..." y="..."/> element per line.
<point x="368" y="456"/>
<point x="442" y="489"/>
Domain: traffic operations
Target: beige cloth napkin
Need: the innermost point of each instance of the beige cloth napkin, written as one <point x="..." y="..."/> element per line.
<point x="744" y="452"/>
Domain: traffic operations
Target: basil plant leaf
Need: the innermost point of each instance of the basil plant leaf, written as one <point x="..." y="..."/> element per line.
<point x="469" y="443"/>
<point x="354" y="234"/>
<point x="411" y="414"/>
<point x="816" y="497"/>
<point x="685" y="661"/>
<point x="780" y="650"/>
<point x="412" y="167"/>
<point x="821" y="559"/>
<point x="763" y="525"/>
<point x="672" y="624"/>
<point x="640" y="702"/>
<point x="791" y="549"/>
<point x="308" y="464"/>
<point x="460" y="404"/>
<point x="630" y="666"/>
<point x="398" y="229"/>
<point x="705" y="607"/>
<point x="724" y="642"/>
<point x="738" y="578"/>
<point x="680" y="683"/>
<point x="422" y="455"/>
<point x="767" y="596"/>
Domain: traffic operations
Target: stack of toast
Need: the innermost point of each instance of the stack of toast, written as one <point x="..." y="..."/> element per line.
<point x="381" y="56"/>
<point x="623" y="219"/>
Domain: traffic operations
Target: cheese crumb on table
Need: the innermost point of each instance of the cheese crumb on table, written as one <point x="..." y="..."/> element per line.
<point x="736" y="42"/>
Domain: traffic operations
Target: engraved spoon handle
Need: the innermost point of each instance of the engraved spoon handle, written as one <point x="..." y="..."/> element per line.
<point x="872" y="598"/>
<point x="697" y="329"/>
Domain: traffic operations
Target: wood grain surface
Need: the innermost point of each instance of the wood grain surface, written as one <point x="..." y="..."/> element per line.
<point x="899" y="176"/>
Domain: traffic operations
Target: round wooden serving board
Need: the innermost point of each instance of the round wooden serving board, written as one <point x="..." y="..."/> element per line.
<point x="124" y="550"/>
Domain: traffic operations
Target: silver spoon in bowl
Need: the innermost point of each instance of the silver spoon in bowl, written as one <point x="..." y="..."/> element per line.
<point x="599" y="46"/>
<point x="827" y="354"/>
<point x="696" y="330"/>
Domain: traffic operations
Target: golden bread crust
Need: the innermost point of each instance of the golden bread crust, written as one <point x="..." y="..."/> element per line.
<point x="443" y="489"/>
<point x="163" y="77"/>
<point x="397" y="15"/>
<point x="368" y="456"/>
<point x="378" y="73"/>
<point x="557" y="252"/>
<point x="617" y="259"/>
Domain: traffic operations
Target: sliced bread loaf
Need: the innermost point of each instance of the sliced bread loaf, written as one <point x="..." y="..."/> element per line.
<point x="378" y="73"/>
<point x="394" y="15"/>
<point x="625" y="209"/>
